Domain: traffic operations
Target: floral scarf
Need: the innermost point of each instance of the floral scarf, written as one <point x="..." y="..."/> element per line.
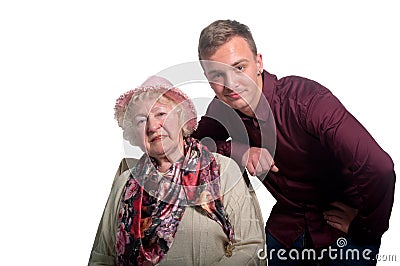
<point x="152" y="208"/>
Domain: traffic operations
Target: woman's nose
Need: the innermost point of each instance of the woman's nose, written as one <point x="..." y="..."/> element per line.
<point x="153" y="124"/>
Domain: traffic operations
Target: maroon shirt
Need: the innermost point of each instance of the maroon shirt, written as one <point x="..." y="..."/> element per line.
<point x="323" y="153"/>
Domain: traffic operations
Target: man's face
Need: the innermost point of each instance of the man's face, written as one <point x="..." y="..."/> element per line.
<point x="232" y="73"/>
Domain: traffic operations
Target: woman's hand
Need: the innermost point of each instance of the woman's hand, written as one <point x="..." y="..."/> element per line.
<point x="341" y="216"/>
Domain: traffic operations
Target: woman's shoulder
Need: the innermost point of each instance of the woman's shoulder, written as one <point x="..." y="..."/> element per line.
<point x="231" y="177"/>
<point x="225" y="161"/>
<point x="227" y="166"/>
<point x="123" y="172"/>
<point x="126" y="164"/>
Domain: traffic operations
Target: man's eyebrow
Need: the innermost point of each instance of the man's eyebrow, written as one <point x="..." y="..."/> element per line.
<point x="238" y="62"/>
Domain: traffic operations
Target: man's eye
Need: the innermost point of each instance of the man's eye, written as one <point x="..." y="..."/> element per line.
<point x="240" y="68"/>
<point x="217" y="76"/>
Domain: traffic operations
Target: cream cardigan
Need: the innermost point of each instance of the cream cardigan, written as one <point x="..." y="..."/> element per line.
<point x="198" y="240"/>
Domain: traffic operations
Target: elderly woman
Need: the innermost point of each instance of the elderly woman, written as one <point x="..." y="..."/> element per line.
<point x="179" y="204"/>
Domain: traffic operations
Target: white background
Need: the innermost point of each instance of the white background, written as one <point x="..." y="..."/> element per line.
<point x="64" y="63"/>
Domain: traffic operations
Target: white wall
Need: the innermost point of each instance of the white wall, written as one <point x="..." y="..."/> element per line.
<point x="63" y="64"/>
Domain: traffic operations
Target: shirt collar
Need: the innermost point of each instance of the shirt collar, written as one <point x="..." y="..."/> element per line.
<point x="263" y="109"/>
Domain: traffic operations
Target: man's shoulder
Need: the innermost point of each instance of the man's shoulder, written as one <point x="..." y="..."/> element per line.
<point x="299" y="88"/>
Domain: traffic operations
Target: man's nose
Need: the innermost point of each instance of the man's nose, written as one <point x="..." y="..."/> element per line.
<point x="231" y="80"/>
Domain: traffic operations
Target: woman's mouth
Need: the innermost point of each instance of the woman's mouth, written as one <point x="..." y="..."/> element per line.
<point x="156" y="138"/>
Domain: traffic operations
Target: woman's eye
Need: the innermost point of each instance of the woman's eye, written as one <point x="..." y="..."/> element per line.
<point x="240" y="68"/>
<point x="140" y="122"/>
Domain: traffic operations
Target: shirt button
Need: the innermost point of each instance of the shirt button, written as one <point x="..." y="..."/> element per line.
<point x="228" y="250"/>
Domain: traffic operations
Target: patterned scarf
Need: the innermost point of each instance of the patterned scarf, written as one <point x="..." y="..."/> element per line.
<point x="151" y="208"/>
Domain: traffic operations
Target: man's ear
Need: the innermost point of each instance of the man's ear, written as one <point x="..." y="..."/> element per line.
<point x="259" y="63"/>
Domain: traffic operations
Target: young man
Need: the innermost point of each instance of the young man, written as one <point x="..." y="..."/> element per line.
<point x="334" y="184"/>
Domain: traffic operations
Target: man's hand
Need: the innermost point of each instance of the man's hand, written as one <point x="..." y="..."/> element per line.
<point x="340" y="217"/>
<point x="258" y="161"/>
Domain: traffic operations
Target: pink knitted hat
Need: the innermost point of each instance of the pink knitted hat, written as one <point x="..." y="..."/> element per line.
<point x="165" y="88"/>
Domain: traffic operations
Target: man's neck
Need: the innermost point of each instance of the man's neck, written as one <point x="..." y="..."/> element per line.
<point x="250" y="109"/>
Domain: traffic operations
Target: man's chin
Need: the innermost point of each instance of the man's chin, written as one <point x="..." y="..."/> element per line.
<point x="238" y="104"/>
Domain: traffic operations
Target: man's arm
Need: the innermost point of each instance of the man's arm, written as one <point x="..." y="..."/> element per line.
<point x="221" y="123"/>
<point x="217" y="130"/>
<point x="213" y="135"/>
<point x="364" y="164"/>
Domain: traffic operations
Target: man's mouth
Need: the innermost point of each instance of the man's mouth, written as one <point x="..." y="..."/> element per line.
<point x="234" y="95"/>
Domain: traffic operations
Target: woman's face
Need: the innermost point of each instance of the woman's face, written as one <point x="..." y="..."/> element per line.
<point x="158" y="129"/>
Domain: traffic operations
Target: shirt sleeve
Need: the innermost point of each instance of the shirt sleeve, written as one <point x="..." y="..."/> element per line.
<point x="103" y="250"/>
<point x="365" y="165"/>
<point x="213" y="134"/>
